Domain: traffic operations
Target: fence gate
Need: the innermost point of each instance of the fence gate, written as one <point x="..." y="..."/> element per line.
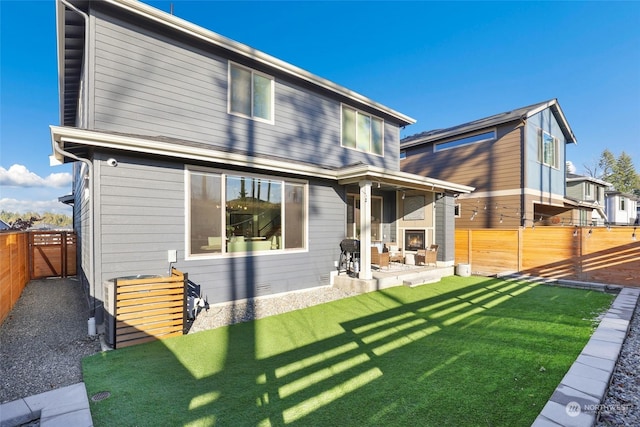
<point x="53" y="254"/>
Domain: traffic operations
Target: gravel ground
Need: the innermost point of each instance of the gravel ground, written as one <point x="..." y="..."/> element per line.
<point x="44" y="338"/>
<point x="621" y="405"/>
<point x="228" y="314"/>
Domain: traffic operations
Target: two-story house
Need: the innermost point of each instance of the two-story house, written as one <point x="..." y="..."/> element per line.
<point x="245" y="171"/>
<point x="621" y="208"/>
<point x="588" y="192"/>
<point x="515" y="160"/>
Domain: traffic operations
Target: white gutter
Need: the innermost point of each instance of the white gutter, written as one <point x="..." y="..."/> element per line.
<point x="58" y="150"/>
<point x="97" y="139"/>
<point x="353" y="174"/>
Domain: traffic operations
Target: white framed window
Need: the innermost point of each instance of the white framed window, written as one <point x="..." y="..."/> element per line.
<point x="362" y="132"/>
<point x="467" y="140"/>
<point x="587" y="191"/>
<point x="353" y="217"/>
<point x="230" y="213"/>
<point x="456" y="210"/>
<point x="548" y="149"/>
<point x="251" y="93"/>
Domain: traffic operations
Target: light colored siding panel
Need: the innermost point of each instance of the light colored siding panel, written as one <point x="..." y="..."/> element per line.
<point x="138" y="225"/>
<point x="147" y="84"/>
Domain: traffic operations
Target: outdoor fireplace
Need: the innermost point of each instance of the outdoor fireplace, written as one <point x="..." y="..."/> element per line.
<point x="413" y="240"/>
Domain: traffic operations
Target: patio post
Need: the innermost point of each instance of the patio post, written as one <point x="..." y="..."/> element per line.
<point x="365" y="230"/>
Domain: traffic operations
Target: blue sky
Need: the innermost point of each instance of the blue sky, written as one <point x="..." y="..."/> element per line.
<point x="442" y="63"/>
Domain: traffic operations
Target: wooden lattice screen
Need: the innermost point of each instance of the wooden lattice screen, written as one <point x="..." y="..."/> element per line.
<point x="149" y="309"/>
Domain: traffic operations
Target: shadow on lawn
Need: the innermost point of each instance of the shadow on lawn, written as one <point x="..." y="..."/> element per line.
<point x="379" y="370"/>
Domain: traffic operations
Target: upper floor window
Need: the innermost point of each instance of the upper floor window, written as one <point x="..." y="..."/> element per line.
<point x="459" y="142"/>
<point x="403" y="154"/>
<point x="362" y="132"/>
<point x="250" y="93"/>
<point x="587" y="191"/>
<point x="548" y="150"/>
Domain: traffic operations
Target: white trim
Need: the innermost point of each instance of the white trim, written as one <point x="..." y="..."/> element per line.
<point x="353" y="174"/>
<point x="493" y="130"/>
<point x="63" y="135"/>
<point x="253" y="72"/>
<point x="145" y="11"/>
<point x="562" y="118"/>
<point x="224" y="174"/>
<point x="356" y="197"/>
<point x="372" y="118"/>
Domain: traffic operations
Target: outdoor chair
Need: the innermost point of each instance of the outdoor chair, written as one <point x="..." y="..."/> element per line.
<point x="395" y="253"/>
<point x="380" y="259"/>
<point x="427" y="256"/>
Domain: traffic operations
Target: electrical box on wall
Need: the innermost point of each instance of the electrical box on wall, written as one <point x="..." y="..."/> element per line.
<point x="172" y="255"/>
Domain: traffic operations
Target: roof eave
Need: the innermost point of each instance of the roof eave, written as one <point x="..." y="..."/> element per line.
<point x="554" y="105"/>
<point x="61" y="136"/>
<point x="398" y="179"/>
<point x="70" y="135"/>
<point x="193" y="30"/>
<point x="60" y="32"/>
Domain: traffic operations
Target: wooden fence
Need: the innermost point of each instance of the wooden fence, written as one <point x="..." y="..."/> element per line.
<point x="598" y="254"/>
<point x="146" y="309"/>
<point x="14" y="269"/>
<point x="26" y="255"/>
<point x="53" y="254"/>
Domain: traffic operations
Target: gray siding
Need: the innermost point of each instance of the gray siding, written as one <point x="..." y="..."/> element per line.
<point x="148" y="84"/>
<point x="575" y="190"/>
<point x="142" y="215"/>
<point x="445" y="228"/>
<point x="81" y="225"/>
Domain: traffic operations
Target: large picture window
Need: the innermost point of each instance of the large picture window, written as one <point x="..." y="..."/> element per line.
<point x="362" y="132"/>
<point x="250" y="93"/>
<point x="237" y="213"/>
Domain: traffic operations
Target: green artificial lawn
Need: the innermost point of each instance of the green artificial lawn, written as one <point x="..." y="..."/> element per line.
<point x="462" y="352"/>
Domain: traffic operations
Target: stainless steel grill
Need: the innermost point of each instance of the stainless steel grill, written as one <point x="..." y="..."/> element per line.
<point x="349" y="257"/>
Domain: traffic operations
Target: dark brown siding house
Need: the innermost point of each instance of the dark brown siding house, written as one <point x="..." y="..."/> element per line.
<point x="515" y="160"/>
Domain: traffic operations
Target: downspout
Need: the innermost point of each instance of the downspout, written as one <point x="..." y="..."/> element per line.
<point x="59" y="150"/>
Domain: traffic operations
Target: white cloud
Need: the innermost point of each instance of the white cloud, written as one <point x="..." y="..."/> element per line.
<point x="39" y="206"/>
<point x="19" y="176"/>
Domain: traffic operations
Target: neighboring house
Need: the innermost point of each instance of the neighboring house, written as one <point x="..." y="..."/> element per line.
<point x="4" y="226"/>
<point x="621" y="208"/>
<point x="588" y="192"/>
<point x="515" y="161"/>
<point x="195" y="151"/>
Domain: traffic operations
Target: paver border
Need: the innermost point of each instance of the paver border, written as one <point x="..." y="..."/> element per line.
<point x="576" y="400"/>
<point x="65" y="406"/>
